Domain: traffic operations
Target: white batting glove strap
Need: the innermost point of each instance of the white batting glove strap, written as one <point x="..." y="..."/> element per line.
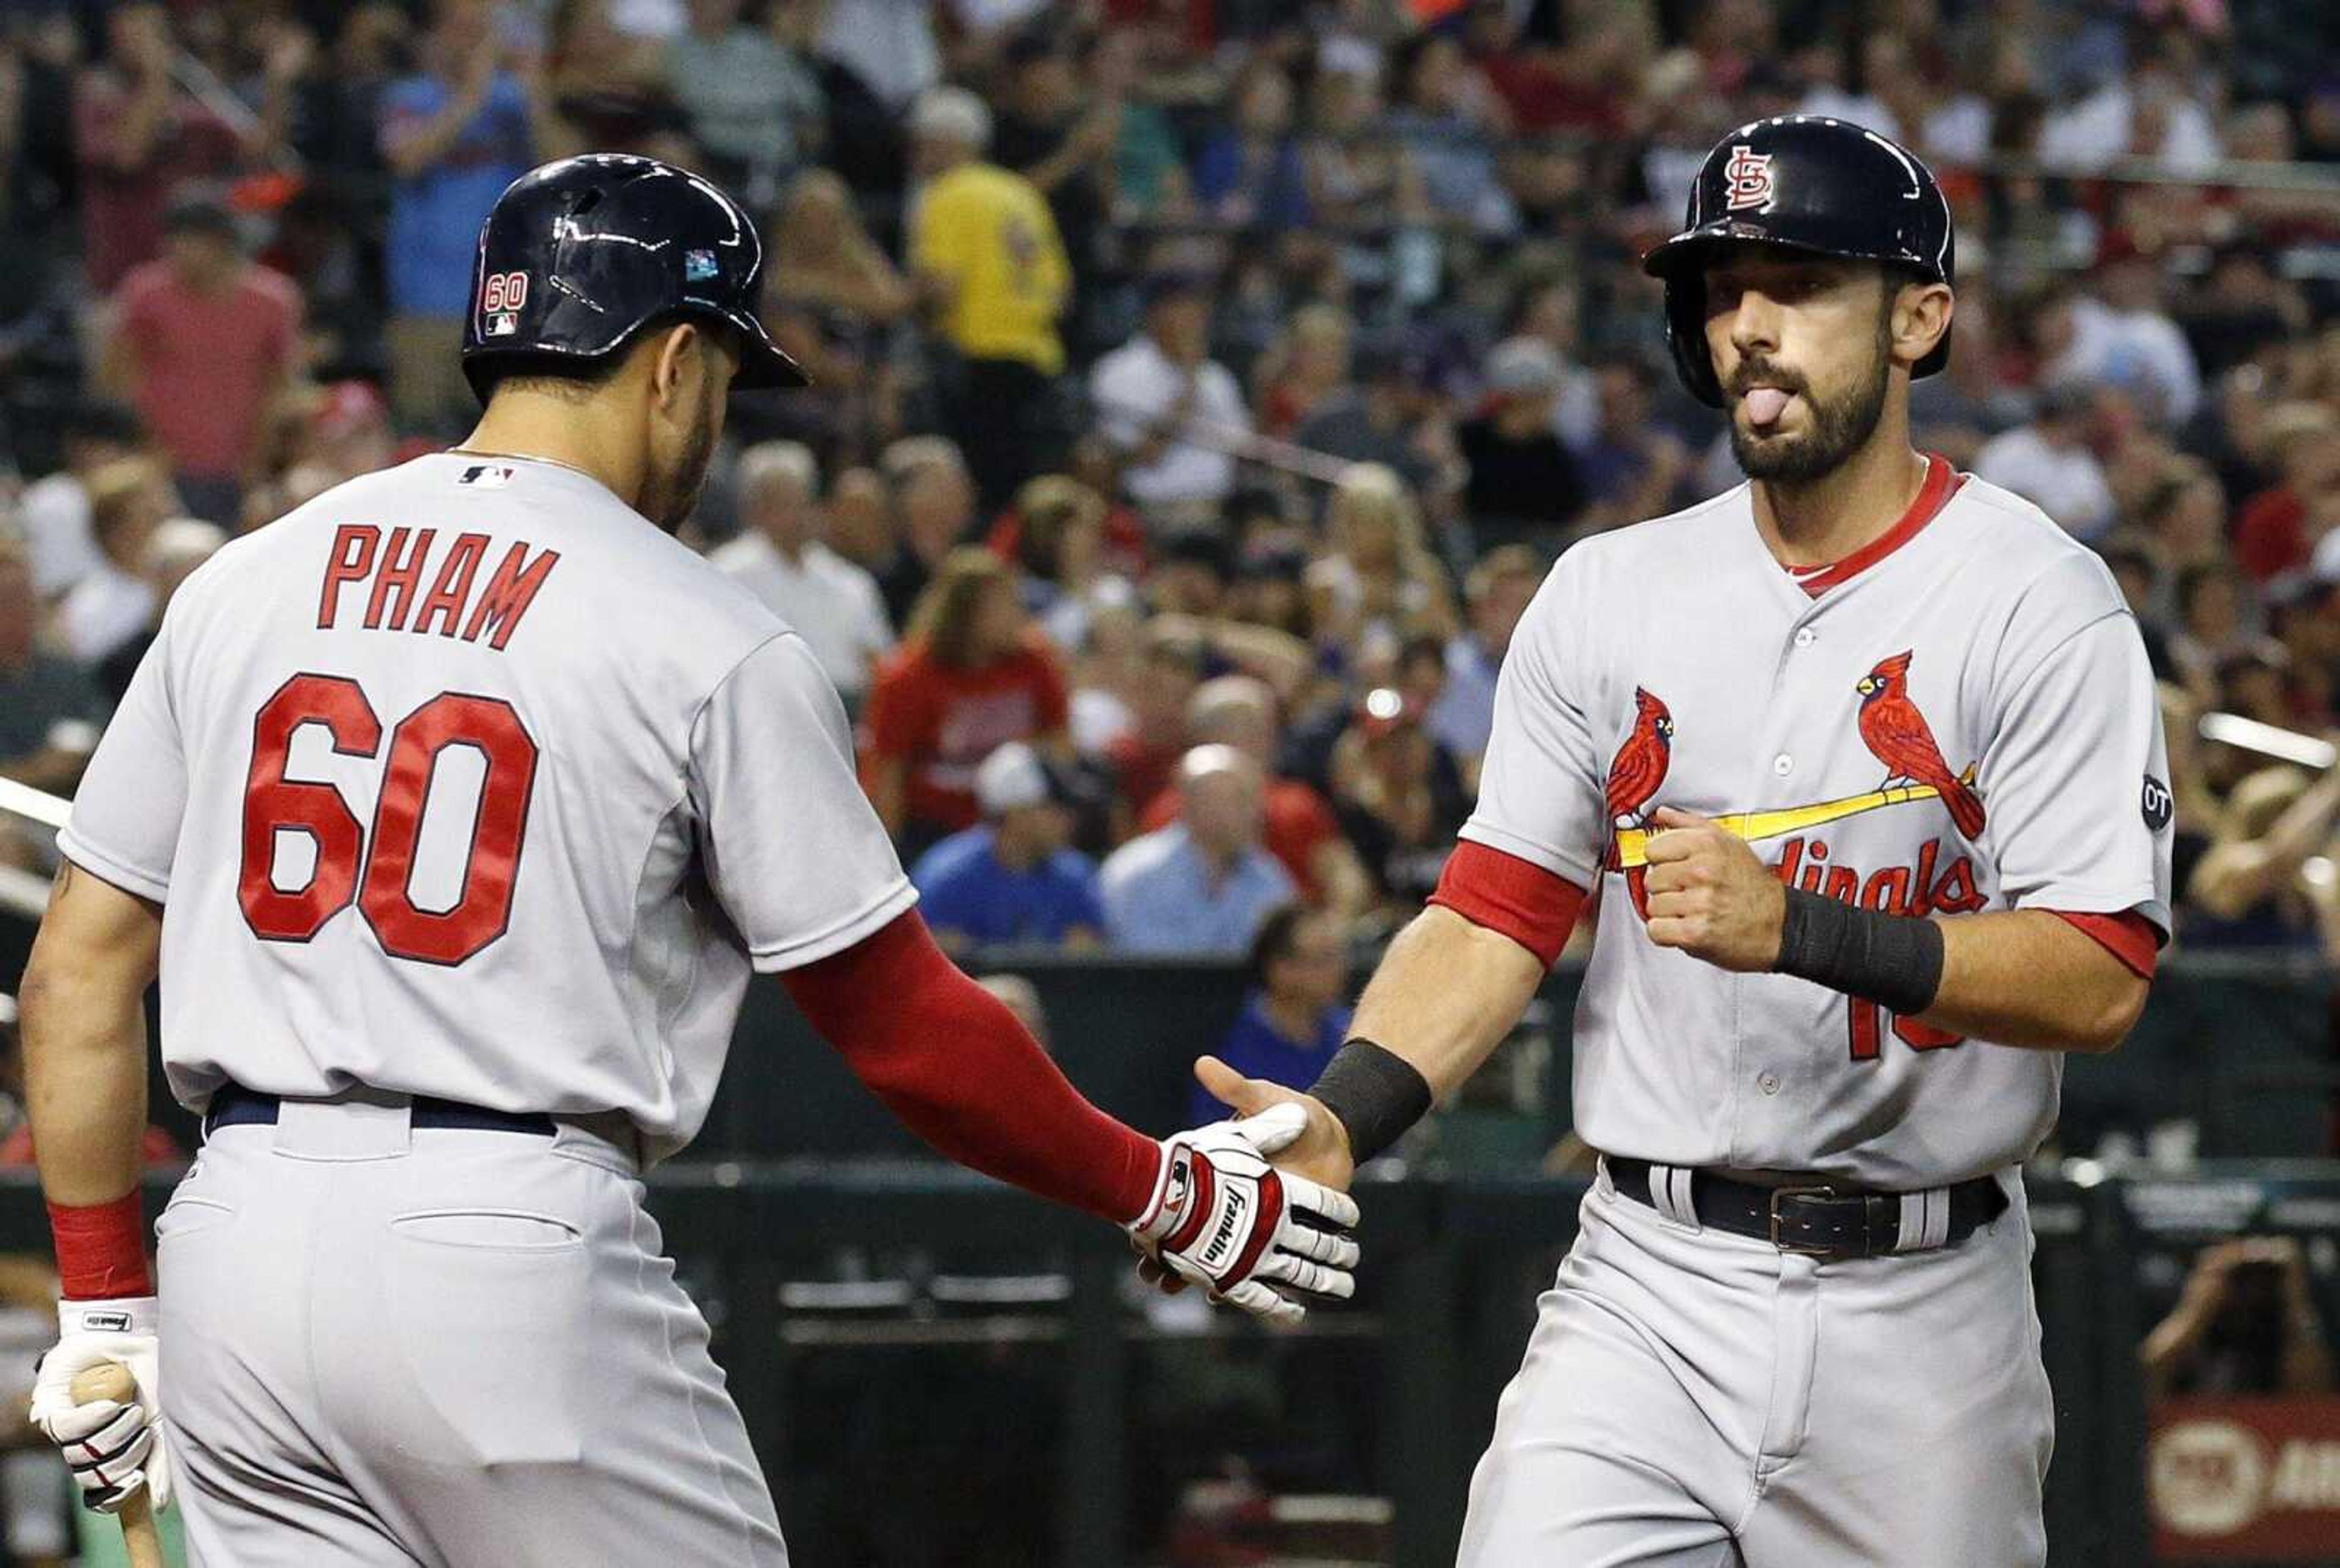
<point x="113" y="1448"/>
<point x="1223" y="1218"/>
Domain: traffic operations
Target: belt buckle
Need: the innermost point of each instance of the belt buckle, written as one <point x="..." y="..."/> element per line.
<point x="1817" y="1190"/>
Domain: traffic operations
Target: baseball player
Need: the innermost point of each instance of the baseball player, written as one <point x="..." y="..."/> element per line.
<point x="458" y="807"/>
<point x="1862" y="764"/>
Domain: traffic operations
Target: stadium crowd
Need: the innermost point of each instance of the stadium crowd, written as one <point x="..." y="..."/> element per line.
<point x="1202" y="387"/>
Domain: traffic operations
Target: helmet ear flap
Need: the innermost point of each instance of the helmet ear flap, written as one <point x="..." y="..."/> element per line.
<point x="1686" y="334"/>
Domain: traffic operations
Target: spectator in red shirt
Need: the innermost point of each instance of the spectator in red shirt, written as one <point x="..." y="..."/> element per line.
<point x="203" y="343"/>
<point x="971" y="676"/>
<point x="137" y="138"/>
<point x="1301" y="829"/>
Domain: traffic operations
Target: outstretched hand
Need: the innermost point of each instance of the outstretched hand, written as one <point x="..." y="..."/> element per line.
<point x="1320" y="1153"/>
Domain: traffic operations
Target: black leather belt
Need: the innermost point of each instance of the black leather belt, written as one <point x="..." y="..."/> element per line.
<point x="1821" y="1219"/>
<point x="233" y="1105"/>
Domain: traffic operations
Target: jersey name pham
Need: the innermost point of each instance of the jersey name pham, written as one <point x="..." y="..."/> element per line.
<point x="457" y="603"/>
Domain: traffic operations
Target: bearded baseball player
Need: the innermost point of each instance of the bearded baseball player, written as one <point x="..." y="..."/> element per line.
<point x="456" y="808"/>
<point x="1862" y="765"/>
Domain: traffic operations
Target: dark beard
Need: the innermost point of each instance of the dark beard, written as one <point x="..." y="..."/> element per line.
<point x="670" y="499"/>
<point x="1840" y="428"/>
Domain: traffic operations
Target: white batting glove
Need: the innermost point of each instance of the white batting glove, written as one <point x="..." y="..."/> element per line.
<point x="1225" y="1219"/>
<point x="112" y="1448"/>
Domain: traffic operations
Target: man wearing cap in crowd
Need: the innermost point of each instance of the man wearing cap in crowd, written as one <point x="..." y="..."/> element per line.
<point x="1013" y="880"/>
<point x="1169" y="409"/>
<point x="201" y="342"/>
<point x="1201" y="885"/>
<point x="985" y="250"/>
<point x="1520" y="470"/>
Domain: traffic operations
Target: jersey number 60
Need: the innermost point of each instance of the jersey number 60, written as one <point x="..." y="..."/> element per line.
<point x="378" y="879"/>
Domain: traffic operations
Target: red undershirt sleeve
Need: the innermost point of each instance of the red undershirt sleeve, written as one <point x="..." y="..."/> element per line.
<point x="956" y="1065"/>
<point x="1512" y="896"/>
<point x="2128" y="936"/>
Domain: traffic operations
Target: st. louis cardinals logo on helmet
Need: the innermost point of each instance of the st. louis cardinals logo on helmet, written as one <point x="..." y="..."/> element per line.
<point x="1749" y="174"/>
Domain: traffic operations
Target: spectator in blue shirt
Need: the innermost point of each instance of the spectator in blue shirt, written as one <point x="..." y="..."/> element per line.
<point x="1464" y="715"/>
<point x="1200" y="886"/>
<point x="1012" y="880"/>
<point x="1297" y="1015"/>
<point x="453" y="138"/>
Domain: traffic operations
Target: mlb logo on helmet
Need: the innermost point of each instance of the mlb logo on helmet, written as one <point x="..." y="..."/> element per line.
<point x="698" y="266"/>
<point x="1749" y="174"/>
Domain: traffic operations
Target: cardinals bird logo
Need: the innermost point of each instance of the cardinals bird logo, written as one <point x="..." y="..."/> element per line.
<point x="1896" y="734"/>
<point x="1639" y="771"/>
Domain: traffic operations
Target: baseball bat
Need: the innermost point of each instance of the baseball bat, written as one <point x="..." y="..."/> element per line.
<point x="112" y="1380"/>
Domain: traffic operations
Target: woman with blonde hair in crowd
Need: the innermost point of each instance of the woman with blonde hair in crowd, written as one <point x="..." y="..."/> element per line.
<point x="971" y="675"/>
<point x="1379" y="584"/>
<point x="833" y="299"/>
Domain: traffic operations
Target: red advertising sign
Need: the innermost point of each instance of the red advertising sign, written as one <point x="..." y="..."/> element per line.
<point x="2245" y="1480"/>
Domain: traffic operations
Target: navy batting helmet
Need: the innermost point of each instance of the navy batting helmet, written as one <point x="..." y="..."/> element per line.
<point x="1808" y="184"/>
<point x="580" y="255"/>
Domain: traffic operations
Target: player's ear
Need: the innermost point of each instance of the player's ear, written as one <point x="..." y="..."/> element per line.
<point x="1920" y="314"/>
<point x="675" y="366"/>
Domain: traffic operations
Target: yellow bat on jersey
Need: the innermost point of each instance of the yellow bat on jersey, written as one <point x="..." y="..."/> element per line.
<point x="1755" y="826"/>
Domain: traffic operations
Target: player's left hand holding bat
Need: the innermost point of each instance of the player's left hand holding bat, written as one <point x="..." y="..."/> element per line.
<point x="1710" y="897"/>
<point x="113" y="1447"/>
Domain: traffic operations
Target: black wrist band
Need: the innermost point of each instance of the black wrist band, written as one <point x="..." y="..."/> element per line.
<point x="1376" y="1094"/>
<point x="1895" y="960"/>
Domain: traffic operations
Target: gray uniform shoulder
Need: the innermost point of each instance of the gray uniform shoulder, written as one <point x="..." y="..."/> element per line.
<point x="1662" y="544"/>
<point x="2047" y="586"/>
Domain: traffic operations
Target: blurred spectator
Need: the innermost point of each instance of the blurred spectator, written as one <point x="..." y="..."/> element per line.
<point x="601" y="84"/>
<point x="1013" y="880"/>
<point x="1442" y="120"/>
<point x="969" y="678"/>
<point x="141" y="138"/>
<point x="1201" y="886"/>
<point x="2184" y="513"/>
<point x="178" y="546"/>
<point x="2247" y="890"/>
<point x="1392" y="417"/>
<point x="779" y="557"/>
<point x="1056" y="533"/>
<point x="1297" y="824"/>
<point x="1295" y="1015"/>
<point x="2246" y="1325"/>
<point x="750" y="102"/>
<point x="1499" y="589"/>
<point x="1174" y="413"/>
<point x="1520" y="471"/>
<point x="984" y="247"/>
<point x="1250" y="172"/>
<point x="2286" y="525"/>
<point x="203" y="343"/>
<point x="1304" y="369"/>
<point x="2048" y="463"/>
<point x="889" y="45"/>
<point x="1632" y="468"/>
<point x="833" y="299"/>
<point x="1063" y="146"/>
<point x="1400" y="799"/>
<point x="2214" y="623"/>
<point x="2145" y="112"/>
<point x="2136" y="565"/>
<point x="453" y="135"/>
<point x="931" y="504"/>
<point x="2122" y="335"/>
<point x="860" y="521"/>
<point x="50" y="710"/>
<point x="56" y="508"/>
<point x="1144" y="740"/>
<point x="1379" y="583"/>
<point x="128" y="500"/>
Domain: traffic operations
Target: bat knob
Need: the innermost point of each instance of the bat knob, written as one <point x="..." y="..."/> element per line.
<point x="106" y="1380"/>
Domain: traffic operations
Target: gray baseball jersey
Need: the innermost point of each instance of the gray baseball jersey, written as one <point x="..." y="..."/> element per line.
<point x="463" y="780"/>
<point x="1960" y="717"/>
<point x="1957" y="718"/>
